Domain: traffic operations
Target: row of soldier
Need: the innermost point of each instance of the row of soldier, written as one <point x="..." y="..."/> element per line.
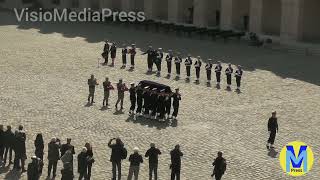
<point x="85" y="158"/>
<point x="150" y="102"/>
<point x="155" y="57"/>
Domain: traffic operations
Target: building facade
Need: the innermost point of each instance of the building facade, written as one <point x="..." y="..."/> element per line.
<point x="286" y="20"/>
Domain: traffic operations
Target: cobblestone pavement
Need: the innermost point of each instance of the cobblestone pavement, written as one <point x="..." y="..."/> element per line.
<point x="44" y="71"/>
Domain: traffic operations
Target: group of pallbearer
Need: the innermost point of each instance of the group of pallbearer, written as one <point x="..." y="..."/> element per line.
<point x="148" y="99"/>
<point x="155" y="57"/>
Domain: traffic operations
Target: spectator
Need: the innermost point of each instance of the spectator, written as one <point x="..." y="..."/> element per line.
<point x="66" y="172"/>
<point x="1" y="144"/>
<point x="175" y="166"/>
<point x="66" y="147"/>
<point x="20" y="149"/>
<point x="33" y="168"/>
<point x="39" y="145"/>
<point x="53" y="156"/>
<point x="90" y="159"/>
<point x="82" y="164"/>
<point x="135" y="160"/>
<point x="8" y="144"/>
<point x="153" y="154"/>
<point x="118" y="153"/>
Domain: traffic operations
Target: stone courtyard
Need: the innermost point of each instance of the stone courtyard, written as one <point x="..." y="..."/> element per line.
<point x="44" y="70"/>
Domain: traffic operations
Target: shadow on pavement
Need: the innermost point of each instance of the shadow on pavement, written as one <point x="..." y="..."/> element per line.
<point x="285" y="65"/>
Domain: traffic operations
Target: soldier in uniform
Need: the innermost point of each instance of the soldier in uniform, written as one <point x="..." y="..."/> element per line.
<point x="238" y="75"/>
<point x="208" y="70"/>
<point x="218" y="70"/>
<point x="176" y="101"/>
<point x="105" y="53"/>
<point x="168" y="102"/>
<point x="169" y="58"/>
<point x="139" y="99"/>
<point x="146" y="100"/>
<point x="273" y="129"/>
<point x="188" y="63"/>
<point x="229" y="72"/>
<point x="107" y="86"/>
<point x="132" y="53"/>
<point x="197" y="66"/>
<point x="159" y="60"/>
<point x="161" y="105"/>
<point x="121" y="87"/>
<point x="154" y="102"/>
<point x="92" y="83"/>
<point x="177" y="62"/>
<point x="133" y="98"/>
<point x="113" y="51"/>
<point x="150" y="58"/>
<point x="124" y="56"/>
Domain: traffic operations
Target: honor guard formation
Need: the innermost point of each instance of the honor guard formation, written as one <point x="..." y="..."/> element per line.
<point x="155" y="57"/>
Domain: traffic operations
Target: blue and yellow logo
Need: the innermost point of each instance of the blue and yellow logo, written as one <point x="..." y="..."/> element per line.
<point x="296" y="158"/>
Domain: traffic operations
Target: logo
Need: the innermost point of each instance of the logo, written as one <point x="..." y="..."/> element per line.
<point x="296" y="158"/>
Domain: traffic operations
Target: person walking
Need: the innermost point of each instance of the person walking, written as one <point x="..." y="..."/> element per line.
<point x="175" y="166"/>
<point x="272" y="129"/>
<point x="135" y="161"/>
<point x="220" y="166"/>
<point x="117" y="155"/>
<point x="153" y="154"/>
<point x="139" y="99"/>
<point x="92" y="83"/>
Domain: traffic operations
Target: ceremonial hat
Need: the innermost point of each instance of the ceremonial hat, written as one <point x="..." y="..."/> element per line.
<point x="136" y="149"/>
<point x="133" y="44"/>
<point x="189" y="55"/>
<point x="209" y="59"/>
<point x="177" y="89"/>
<point x="154" y="89"/>
<point x="274" y="112"/>
<point x="198" y="57"/>
<point x="170" y="50"/>
<point x="150" y="46"/>
<point x="159" y="48"/>
<point x="147" y="87"/>
<point x="84" y="149"/>
<point x="34" y="157"/>
<point x="162" y="90"/>
<point x="132" y="83"/>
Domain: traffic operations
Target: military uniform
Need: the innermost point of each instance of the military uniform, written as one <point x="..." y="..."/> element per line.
<point x="92" y="82"/>
<point x="273" y="129"/>
<point x="107" y="86"/>
<point x="133" y="99"/>
<point x="188" y="63"/>
<point x="154" y="102"/>
<point x="113" y="51"/>
<point x="105" y="53"/>
<point x="238" y="75"/>
<point x="159" y="60"/>
<point x="176" y="101"/>
<point x="229" y="72"/>
<point x="150" y="58"/>
<point x="121" y="89"/>
<point x="161" y="105"/>
<point x="132" y="55"/>
<point x="208" y="70"/>
<point x="146" y="100"/>
<point x="124" y="57"/>
<point x="197" y="66"/>
<point x="177" y="62"/>
<point x="218" y="70"/>
<point x="169" y="58"/>
<point x="168" y="101"/>
<point x="139" y="99"/>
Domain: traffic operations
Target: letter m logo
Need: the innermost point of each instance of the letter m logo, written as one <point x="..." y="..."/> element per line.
<point x="296" y="161"/>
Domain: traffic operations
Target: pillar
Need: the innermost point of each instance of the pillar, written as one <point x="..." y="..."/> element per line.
<point x="173" y="11"/>
<point x="226" y="14"/>
<point x="256" y="14"/>
<point x="200" y="15"/>
<point x="148" y="8"/>
<point x="291" y="29"/>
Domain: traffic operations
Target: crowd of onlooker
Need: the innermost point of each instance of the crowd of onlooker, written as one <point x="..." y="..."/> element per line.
<point x="15" y="142"/>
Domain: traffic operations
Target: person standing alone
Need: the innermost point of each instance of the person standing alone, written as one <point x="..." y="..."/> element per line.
<point x="273" y="129"/>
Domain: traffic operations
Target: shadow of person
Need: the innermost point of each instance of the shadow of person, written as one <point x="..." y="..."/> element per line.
<point x="218" y="86"/>
<point x="238" y="91"/>
<point x="228" y="89"/>
<point x="187" y="80"/>
<point x="118" y="112"/>
<point x="103" y="108"/>
<point x="174" y="123"/>
<point x="272" y="153"/>
<point x="13" y="175"/>
<point x="177" y="78"/>
<point x="88" y="104"/>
